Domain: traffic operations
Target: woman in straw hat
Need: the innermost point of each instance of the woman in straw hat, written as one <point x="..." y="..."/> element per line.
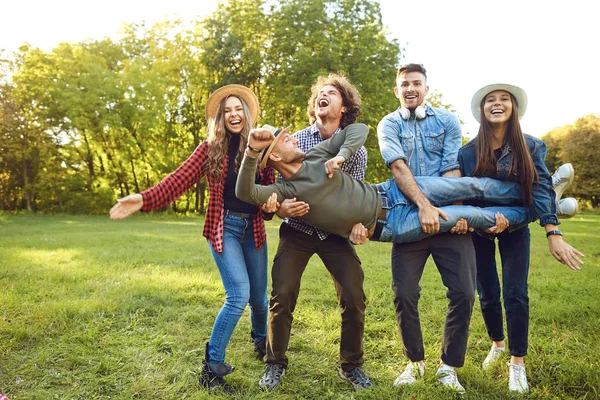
<point x="501" y="150"/>
<point x="235" y="230"/>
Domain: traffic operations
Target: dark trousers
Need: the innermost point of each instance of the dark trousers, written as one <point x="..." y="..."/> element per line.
<point x="338" y="254"/>
<point x="514" y="255"/>
<point x="455" y="259"/>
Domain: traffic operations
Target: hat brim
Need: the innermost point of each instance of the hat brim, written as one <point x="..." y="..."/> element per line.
<point x="279" y="133"/>
<point x="212" y="105"/>
<point x="518" y="93"/>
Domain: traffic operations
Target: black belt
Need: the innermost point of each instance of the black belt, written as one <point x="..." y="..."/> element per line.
<point x="239" y="214"/>
<point x="381" y="217"/>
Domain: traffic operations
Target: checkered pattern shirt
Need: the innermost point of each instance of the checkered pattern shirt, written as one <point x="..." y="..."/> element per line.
<point x="184" y="177"/>
<point x="355" y="166"/>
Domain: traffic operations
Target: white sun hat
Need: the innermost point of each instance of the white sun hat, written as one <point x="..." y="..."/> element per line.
<point x="516" y="91"/>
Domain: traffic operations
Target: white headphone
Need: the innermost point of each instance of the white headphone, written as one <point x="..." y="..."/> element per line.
<point x="420" y="113"/>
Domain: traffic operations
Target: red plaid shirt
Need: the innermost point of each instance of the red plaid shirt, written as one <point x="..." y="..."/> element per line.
<point x="184" y="177"/>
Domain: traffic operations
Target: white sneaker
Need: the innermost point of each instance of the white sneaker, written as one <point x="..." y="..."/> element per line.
<point x="562" y="178"/>
<point x="447" y="377"/>
<point x="517" y="380"/>
<point x="494" y="354"/>
<point x="408" y="377"/>
<point x="566" y="208"/>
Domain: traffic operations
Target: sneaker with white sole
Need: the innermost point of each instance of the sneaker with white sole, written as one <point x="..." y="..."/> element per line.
<point x="410" y="374"/>
<point x="562" y="178"/>
<point x="566" y="208"/>
<point x="447" y="377"/>
<point x="272" y="376"/>
<point x="494" y="354"/>
<point x="517" y="379"/>
<point x="357" y="378"/>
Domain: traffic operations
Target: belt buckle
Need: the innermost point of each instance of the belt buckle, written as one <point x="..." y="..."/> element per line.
<point x="385" y="202"/>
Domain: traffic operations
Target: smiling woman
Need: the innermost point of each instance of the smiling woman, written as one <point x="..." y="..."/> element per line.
<point x="234" y="229"/>
<point x="502" y="151"/>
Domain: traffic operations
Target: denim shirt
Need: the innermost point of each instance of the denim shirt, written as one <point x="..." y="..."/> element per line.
<point x="429" y="147"/>
<point x="544" y="197"/>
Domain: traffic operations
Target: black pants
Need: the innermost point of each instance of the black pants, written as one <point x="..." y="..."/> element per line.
<point x="454" y="257"/>
<point x="514" y="250"/>
<point x="293" y="253"/>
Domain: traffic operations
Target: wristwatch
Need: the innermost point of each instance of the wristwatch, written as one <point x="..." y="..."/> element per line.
<point x="554" y="232"/>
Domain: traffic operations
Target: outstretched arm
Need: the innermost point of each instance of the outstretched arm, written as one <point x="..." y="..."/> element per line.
<point x="126" y="206"/>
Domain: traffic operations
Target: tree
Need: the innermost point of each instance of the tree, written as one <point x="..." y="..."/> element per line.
<point x="581" y="148"/>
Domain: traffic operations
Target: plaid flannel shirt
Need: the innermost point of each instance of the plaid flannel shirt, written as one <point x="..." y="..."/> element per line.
<point x="355" y="166"/>
<point x="184" y="177"/>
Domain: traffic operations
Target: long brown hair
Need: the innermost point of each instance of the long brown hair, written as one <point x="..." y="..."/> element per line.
<point x="218" y="140"/>
<point x="350" y="98"/>
<point x="521" y="165"/>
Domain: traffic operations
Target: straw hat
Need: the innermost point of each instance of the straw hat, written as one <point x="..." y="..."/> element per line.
<point x="516" y="91"/>
<point x="212" y="105"/>
<point x="278" y="134"/>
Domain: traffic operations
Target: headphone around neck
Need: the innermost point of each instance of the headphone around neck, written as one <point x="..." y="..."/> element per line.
<point x="420" y="113"/>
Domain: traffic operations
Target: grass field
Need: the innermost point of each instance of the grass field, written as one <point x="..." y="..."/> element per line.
<point x="94" y="309"/>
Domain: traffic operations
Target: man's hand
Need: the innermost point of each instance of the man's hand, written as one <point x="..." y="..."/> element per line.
<point x="260" y="138"/>
<point x="359" y="234"/>
<point x="429" y="218"/>
<point x="290" y="208"/>
<point x="461" y="227"/>
<point x="126" y="206"/>
<point x="333" y="164"/>
<point x="564" y="252"/>
<point x="501" y="225"/>
<point x="271" y="205"/>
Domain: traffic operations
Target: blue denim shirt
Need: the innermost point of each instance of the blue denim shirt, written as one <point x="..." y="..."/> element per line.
<point x="544" y="198"/>
<point x="429" y="147"/>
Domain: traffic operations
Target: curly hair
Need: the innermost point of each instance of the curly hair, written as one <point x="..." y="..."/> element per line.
<point x="218" y="139"/>
<point x="350" y="97"/>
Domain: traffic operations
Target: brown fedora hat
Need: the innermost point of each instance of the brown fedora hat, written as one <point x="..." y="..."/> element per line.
<point x="212" y="105"/>
<point x="278" y="134"/>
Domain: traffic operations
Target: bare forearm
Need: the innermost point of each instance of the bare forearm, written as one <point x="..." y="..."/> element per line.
<point x="407" y="184"/>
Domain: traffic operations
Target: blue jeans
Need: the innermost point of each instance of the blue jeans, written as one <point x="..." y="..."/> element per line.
<point x="243" y="270"/>
<point x="514" y="250"/>
<point x="402" y="217"/>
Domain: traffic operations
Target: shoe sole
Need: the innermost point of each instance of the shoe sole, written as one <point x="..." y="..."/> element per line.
<point x="569" y="182"/>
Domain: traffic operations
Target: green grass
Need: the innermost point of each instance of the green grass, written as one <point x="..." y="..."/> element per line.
<point x="96" y="309"/>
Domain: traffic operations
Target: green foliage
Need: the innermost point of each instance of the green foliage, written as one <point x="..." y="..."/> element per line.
<point x="116" y="116"/>
<point x="578" y="144"/>
<point x="92" y="308"/>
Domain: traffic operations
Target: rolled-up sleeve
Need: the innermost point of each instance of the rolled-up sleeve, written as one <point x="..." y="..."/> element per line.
<point x="390" y="144"/>
<point x="452" y="142"/>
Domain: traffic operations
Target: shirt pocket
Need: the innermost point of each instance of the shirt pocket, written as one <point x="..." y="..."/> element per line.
<point x="434" y="140"/>
<point x="407" y="141"/>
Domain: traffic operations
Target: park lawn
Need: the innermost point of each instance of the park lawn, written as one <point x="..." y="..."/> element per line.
<point x="94" y="309"/>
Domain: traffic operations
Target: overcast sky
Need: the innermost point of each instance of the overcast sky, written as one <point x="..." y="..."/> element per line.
<point x="548" y="48"/>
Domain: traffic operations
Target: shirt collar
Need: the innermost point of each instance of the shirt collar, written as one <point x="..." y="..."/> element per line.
<point x="314" y="130"/>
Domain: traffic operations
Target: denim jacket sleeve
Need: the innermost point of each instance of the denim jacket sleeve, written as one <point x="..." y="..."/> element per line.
<point x="452" y="142"/>
<point x="390" y="144"/>
<point x="544" y="198"/>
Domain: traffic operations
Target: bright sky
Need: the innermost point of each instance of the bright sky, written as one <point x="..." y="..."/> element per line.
<point x="548" y="48"/>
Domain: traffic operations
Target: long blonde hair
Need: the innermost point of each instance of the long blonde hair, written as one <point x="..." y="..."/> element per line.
<point x="218" y="140"/>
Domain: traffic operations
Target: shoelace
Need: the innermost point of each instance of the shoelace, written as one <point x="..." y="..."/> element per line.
<point x="519" y="372"/>
<point x="274" y="369"/>
<point x="357" y="375"/>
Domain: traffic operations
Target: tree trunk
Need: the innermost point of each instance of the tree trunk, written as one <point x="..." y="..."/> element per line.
<point x="26" y="190"/>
